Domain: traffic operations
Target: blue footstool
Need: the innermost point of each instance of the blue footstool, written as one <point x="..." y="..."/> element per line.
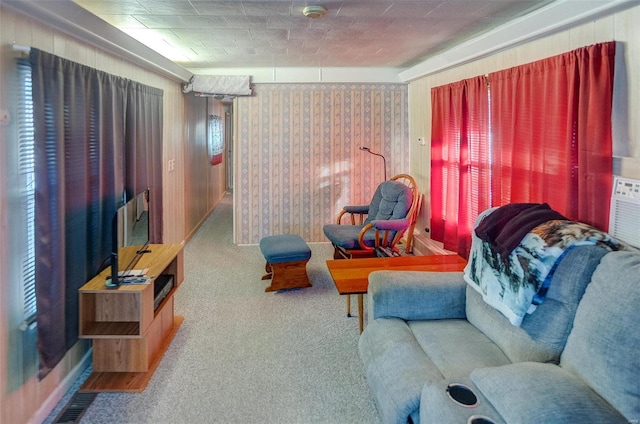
<point x="287" y="256"/>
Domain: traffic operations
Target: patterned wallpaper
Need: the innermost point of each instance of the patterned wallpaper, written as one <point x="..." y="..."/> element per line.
<point x="298" y="158"/>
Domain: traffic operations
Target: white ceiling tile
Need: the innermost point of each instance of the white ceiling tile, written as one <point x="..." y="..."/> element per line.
<point x="301" y="50"/>
<point x="168" y="7"/>
<point x="269" y="34"/>
<point x="159" y="21"/>
<point x="297" y="22"/>
<point x="244" y="22"/>
<point x="411" y="9"/>
<point x="341" y="34"/>
<point x="380" y="33"/>
<point x="122" y="21"/>
<point x="267" y="8"/>
<point x="374" y="24"/>
<point x="361" y="9"/>
<point x="240" y="51"/>
<point x="309" y="34"/>
<point x="230" y="34"/>
<point x="165" y="34"/>
<point x="114" y="7"/>
<point x="337" y="22"/>
<point x="459" y="8"/>
<point x="219" y="8"/>
<point x="255" y="43"/>
<point x="210" y="51"/>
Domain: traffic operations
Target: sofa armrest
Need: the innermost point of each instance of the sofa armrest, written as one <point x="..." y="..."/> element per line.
<point x="416" y="295"/>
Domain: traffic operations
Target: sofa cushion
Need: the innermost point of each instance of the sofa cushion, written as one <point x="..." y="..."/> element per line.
<point x="456" y="347"/>
<point x="531" y="392"/>
<point x="542" y="334"/>
<point x="399" y="357"/>
<point x="396" y="368"/>
<point x="604" y="346"/>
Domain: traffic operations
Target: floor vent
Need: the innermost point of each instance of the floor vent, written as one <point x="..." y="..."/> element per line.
<point x="75" y="408"/>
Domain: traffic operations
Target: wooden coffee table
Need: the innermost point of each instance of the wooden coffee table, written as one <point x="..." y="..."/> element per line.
<point x="351" y="276"/>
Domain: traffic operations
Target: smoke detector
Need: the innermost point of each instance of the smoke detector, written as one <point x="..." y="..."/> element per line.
<point x="314" y="11"/>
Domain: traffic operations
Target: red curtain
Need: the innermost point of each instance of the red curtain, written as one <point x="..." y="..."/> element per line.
<point x="460" y="184"/>
<point x="540" y="132"/>
<point x="551" y="133"/>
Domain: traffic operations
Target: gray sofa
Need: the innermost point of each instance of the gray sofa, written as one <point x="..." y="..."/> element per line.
<point x="576" y="359"/>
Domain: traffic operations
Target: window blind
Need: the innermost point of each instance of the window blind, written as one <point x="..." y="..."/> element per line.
<point x="26" y="170"/>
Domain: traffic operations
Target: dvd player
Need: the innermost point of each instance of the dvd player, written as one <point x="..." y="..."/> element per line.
<point x="161" y="288"/>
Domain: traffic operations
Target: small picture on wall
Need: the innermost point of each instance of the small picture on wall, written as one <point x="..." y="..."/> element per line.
<point x="216" y="139"/>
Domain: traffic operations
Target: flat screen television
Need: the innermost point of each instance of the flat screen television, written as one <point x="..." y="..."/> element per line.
<point x="130" y="236"/>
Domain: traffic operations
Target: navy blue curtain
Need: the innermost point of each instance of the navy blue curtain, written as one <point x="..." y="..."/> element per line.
<point x="80" y="119"/>
<point x="143" y="150"/>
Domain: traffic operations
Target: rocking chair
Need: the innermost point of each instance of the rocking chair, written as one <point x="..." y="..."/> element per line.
<point x="391" y="213"/>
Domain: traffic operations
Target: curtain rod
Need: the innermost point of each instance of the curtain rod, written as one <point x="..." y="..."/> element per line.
<point x="18" y="48"/>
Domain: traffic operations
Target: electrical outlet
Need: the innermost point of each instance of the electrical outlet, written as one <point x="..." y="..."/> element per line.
<point x="422" y="141"/>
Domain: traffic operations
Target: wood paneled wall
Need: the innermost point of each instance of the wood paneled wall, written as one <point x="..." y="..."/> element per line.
<point x="34" y="399"/>
<point x="618" y="27"/>
<point x="216" y="175"/>
<point x="204" y="184"/>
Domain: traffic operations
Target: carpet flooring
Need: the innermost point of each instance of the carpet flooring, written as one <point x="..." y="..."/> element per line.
<point x="246" y="356"/>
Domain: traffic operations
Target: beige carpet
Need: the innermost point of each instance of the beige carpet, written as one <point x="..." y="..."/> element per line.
<point x="246" y="356"/>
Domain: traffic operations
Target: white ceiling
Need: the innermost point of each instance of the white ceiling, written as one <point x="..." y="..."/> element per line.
<point x="200" y="34"/>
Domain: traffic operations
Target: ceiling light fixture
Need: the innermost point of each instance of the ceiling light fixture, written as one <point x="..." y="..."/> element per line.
<point x="314" y="11"/>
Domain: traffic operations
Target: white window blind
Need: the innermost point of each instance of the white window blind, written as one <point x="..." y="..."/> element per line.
<point x="26" y="164"/>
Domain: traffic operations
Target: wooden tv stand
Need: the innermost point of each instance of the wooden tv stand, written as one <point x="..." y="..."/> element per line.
<point x="129" y="336"/>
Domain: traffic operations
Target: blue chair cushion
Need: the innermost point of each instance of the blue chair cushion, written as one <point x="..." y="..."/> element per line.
<point x="284" y="248"/>
<point x="346" y="236"/>
<point x="391" y="200"/>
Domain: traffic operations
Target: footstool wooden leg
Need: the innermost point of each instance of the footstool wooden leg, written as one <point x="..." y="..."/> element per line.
<point x="269" y="271"/>
<point x="289" y="275"/>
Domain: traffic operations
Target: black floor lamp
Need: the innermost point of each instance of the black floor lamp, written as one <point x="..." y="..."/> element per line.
<point x="384" y="160"/>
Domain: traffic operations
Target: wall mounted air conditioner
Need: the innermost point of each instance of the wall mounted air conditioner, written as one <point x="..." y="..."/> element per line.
<point x="624" y="215"/>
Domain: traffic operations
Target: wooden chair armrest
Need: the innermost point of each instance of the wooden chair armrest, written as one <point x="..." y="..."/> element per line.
<point x="361" y="237"/>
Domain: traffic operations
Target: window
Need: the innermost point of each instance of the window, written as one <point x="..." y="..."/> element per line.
<point x="26" y="186"/>
<point x="216" y="139"/>
<point x="460" y="160"/>
<point x="541" y="134"/>
<point x="22" y="338"/>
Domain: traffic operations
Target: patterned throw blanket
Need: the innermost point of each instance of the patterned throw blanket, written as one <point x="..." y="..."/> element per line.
<point x="517" y="283"/>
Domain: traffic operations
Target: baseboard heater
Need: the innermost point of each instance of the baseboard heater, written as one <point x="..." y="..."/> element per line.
<point x="161" y="288"/>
